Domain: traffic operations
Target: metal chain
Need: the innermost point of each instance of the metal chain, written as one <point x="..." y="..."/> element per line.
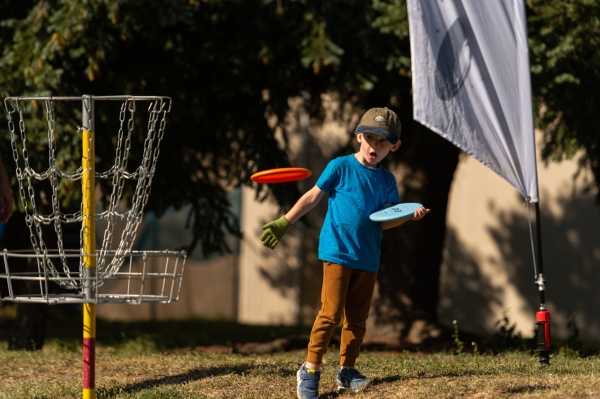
<point x="145" y="171"/>
<point x="35" y="230"/>
<point x="120" y="164"/>
<point x="49" y="107"/>
<point x="158" y="111"/>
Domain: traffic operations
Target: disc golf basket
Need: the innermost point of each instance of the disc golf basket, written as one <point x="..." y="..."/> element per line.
<point x="58" y="199"/>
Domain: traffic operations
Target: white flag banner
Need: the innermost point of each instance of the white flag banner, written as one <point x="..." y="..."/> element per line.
<point x="471" y="82"/>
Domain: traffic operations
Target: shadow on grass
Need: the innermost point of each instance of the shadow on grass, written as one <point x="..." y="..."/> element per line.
<point x="423" y="376"/>
<point x="191" y="376"/>
<point x="376" y="381"/>
<point x="445" y="374"/>
<point x="182" y="378"/>
<point x="527" y="388"/>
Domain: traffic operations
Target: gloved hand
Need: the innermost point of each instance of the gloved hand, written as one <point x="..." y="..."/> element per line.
<point x="273" y="231"/>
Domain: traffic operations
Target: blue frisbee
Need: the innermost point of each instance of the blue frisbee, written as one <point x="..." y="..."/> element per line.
<point x="396" y="212"/>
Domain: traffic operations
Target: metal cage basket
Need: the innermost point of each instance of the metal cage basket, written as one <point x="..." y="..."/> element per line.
<point x="144" y="276"/>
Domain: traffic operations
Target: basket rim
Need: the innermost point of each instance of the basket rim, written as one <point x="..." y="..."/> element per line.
<point x="77" y="253"/>
<point x="92" y="97"/>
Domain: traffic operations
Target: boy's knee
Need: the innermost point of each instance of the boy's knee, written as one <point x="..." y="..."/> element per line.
<point x="330" y="319"/>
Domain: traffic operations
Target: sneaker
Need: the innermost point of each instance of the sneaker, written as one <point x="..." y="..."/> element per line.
<point x="307" y="383"/>
<point x="350" y="379"/>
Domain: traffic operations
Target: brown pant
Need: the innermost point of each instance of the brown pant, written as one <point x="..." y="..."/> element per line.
<point x="345" y="292"/>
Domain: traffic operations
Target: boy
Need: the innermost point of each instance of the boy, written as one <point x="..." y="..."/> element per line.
<point x="349" y="245"/>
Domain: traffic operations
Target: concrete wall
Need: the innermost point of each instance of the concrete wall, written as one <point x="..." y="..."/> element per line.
<point x="269" y="282"/>
<point x="488" y="269"/>
<point x="282" y="286"/>
<point x="209" y="291"/>
<point x="210" y="285"/>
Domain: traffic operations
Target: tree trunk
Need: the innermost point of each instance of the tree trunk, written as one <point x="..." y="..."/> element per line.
<point x="28" y="330"/>
<point x="405" y="308"/>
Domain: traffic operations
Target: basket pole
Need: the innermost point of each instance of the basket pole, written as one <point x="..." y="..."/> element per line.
<point x="89" y="247"/>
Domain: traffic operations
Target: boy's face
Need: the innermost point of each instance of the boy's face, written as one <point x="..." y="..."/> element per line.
<point x="373" y="148"/>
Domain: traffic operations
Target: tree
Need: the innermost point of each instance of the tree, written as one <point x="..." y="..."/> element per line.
<point x="231" y="68"/>
<point x="211" y="58"/>
<point x="564" y="43"/>
<point x="227" y="66"/>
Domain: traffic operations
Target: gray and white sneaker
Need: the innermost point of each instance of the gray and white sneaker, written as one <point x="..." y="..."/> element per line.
<point x="307" y="386"/>
<point x="350" y="379"/>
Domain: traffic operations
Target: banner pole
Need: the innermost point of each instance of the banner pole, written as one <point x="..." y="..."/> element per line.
<point x="543" y="336"/>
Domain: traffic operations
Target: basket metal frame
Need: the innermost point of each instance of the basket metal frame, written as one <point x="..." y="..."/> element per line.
<point x="144" y="282"/>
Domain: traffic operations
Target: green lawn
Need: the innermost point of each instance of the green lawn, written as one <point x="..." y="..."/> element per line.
<point x="202" y="359"/>
<point x="137" y="370"/>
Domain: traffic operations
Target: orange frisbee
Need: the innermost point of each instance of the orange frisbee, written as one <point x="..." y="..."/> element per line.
<point x="280" y="175"/>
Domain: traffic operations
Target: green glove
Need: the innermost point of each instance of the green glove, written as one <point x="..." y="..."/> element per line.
<point x="273" y="231"/>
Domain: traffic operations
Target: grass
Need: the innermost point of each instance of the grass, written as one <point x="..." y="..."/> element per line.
<point x="137" y="373"/>
<point x="195" y="359"/>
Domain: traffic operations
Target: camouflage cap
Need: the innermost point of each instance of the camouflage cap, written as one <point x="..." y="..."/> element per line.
<point x="382" y="122"/>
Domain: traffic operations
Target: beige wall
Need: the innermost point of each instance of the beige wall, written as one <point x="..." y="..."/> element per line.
<point x="488" y="271"/>
<point x="282" y="286"/>
<point x="209" y="290"/>
<point x="269" y="280"/>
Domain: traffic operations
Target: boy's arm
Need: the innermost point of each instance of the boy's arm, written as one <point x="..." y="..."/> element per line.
<point x="304" y="204"/>
<point x="272" y="232"/>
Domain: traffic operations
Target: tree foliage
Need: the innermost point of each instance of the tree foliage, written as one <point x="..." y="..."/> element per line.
<point x="564" y="42"/>
<point x="229" y="66"/>
<point x="215" y="59"/>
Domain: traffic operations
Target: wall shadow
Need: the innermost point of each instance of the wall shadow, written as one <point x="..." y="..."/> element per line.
<point x="297" y="269"/>
<point x="571" y="254"/>
<point x="474" y="296"/>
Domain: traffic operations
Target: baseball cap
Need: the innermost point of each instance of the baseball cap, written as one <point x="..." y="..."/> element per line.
<point x="382" y="122"/>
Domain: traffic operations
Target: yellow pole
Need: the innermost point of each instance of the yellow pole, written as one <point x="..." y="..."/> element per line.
<point x="89" y="248"/>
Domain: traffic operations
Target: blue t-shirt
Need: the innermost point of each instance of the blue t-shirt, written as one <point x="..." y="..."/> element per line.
<point x="348" y="237"/>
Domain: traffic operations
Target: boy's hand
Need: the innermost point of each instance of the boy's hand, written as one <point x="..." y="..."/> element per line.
<point x="274" y="231"/>
<point x="420" y="213"/>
